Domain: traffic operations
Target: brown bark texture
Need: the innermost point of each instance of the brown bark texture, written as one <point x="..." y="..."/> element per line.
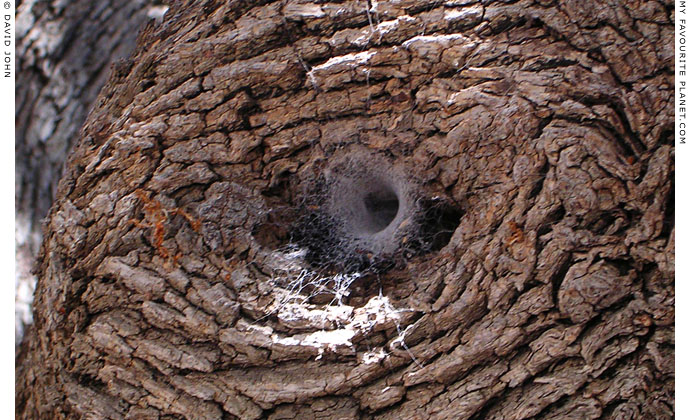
<point x="167" y="280"/>
<point x="64" y="50"/>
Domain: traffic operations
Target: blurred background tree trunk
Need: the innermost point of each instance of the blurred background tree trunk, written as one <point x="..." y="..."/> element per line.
<point x="64" y="50"/>
<point x="547" y="128"/>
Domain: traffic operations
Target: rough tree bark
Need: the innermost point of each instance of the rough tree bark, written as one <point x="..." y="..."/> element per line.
<point x="548" y="125"/>
<point x="64" y="52"/>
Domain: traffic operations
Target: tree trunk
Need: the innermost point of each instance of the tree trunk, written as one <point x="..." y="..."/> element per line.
<point x="65" y="50"/>
<point x="359" y="210"/>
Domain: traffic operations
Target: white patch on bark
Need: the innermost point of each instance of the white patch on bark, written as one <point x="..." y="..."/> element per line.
<point x="344" y="62"/>
<point x="352" y="322"/>
<point x="157" y="12"/>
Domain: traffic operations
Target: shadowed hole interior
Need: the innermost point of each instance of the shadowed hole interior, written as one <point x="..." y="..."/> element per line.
<point x="381" y="207"/>
<point x="367" y="205"/>
<point x="438" y="220"/>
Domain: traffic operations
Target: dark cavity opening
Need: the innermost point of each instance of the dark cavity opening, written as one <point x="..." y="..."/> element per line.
<point x="381" y="208"/>
<point x="438" y="221"/>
